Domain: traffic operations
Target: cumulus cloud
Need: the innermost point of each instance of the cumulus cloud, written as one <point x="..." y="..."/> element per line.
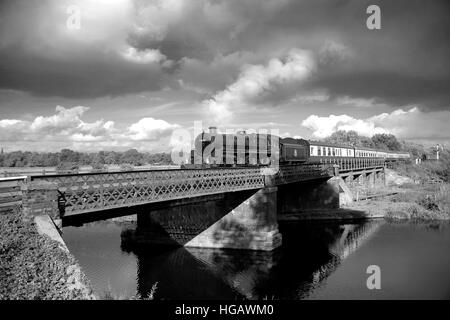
<point x="257" y="83"/>
<point x="150" y="129"/>
<point x="67" y="129"/>
<point x="410" y="124"/>
<point x="144" y="56"/>
<point x="322" y="127"/>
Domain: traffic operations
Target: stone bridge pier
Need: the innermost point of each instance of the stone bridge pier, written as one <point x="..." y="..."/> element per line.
<point x="364" y="182"/>
<point x="235" y="220"/>
<point x="309" y="195"/>
<point x="329" y="193"/>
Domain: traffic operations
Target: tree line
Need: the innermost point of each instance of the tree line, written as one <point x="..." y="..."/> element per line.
<point x="380" y="141"/>
<point x="70" y="159"/>
<point x="74" y="158"/>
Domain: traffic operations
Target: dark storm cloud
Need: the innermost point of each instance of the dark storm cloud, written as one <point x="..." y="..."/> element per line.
<point x="39" y="54"/>
<point x="82" y="78"/>
<point x="394" y="88"/>
<point x="406" y="62"/>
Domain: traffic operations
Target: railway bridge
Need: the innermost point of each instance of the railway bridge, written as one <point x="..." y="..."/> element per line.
<point x="218" y="208"/>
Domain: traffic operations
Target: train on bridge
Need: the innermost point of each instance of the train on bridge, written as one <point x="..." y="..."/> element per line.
<point x="213" y="149"/>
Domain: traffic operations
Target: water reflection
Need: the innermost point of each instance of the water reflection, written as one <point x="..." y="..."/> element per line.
<point x="310" y="253"/>
<point x="318" y="260"/>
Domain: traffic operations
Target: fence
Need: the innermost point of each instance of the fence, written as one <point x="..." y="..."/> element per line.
<point x="10" y="193"/>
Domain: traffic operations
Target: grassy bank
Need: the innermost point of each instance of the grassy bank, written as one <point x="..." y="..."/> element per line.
<point x="412" y="201"/>
<point x="420" y="202"/>
<point x="33" y="266"/>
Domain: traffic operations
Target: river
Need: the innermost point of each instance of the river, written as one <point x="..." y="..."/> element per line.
<point x="318" y="260"/>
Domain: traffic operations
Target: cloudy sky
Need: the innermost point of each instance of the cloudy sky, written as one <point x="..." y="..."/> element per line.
<point x="137" y="70"/>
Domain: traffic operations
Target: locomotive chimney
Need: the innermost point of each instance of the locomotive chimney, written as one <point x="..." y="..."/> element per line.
<point x="213" y="130"/>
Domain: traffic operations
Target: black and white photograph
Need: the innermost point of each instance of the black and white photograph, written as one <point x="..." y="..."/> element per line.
<point x="225" y="156"/>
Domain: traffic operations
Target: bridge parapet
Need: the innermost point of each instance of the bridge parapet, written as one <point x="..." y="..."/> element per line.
<point x="89" y="192"/>
<point x="82" y="193"/>
<point x="303" y="172"/>
<point x="354" y="164"/>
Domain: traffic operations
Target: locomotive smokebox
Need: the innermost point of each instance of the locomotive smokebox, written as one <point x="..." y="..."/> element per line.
<point x="213" y="130"/>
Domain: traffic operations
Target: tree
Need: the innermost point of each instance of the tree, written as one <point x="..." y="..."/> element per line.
<point x="343" y="137"/>
<point x="50" y="159"/>
<point x="111" y="157"/>
<point x="67" y="155"/>
<point x="133" y="157"/>
<point x="416" y="150"/>
<point x="351" y="138"/>
<point x="386" y="141"/>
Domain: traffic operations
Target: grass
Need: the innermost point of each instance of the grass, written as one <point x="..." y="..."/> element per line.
<point x="412" y="202"/>
<point x="33" y="267"/>
<point x="421" y="200"/>
<point x="108" y="295"/>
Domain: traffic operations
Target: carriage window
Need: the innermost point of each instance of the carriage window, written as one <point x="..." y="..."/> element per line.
<point x="334" y="152"/>
<point x="312" y="151"/>
<point x="319" y="150"/>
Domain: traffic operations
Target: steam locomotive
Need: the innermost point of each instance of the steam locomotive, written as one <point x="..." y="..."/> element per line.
<point x="213" y="149"/>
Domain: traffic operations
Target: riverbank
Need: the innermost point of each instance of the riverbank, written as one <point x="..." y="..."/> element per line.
<point x="413" y="196"/>
<point x="34" y="267"/>
<point x="404" y="197"/>
<point x="412" y="202"/>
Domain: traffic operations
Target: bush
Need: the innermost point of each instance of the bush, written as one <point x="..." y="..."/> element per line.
<point x="126" y="167"/>
<point x="67" y="167"/>
<point x="99" y="167"/>
<point x="429" y="203"/>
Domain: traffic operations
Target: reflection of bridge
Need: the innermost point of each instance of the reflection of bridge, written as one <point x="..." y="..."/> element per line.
<point x="294" y="272"/>
<point x="352" y="238"/>
<point x="245" y="218"/>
